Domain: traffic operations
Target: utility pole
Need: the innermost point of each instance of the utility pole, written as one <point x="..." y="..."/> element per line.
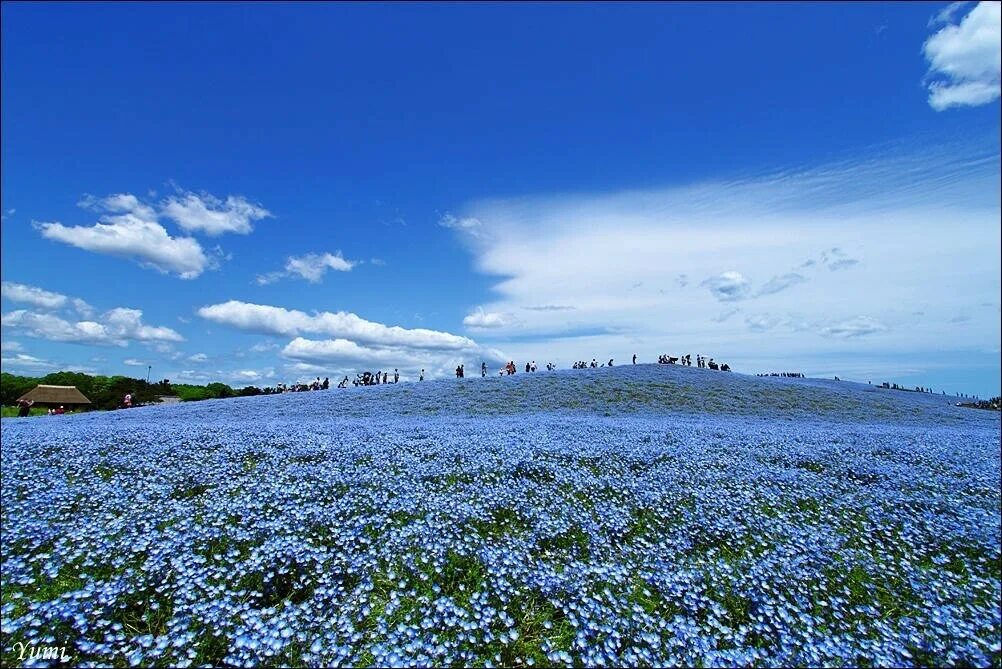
<point x="148" y="368"/>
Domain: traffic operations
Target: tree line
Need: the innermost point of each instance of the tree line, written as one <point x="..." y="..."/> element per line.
<point x="106" y="392"/>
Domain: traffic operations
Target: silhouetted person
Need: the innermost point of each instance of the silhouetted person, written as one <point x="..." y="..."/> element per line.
<point x="483" y="369"/>
<point x="396" y="376"/>
<point x="634" y="358"/>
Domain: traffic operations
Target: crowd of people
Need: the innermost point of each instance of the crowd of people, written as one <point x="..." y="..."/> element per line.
<point x="316" y="384"/>
<point x="581" y="364"/>
<point x="790" y="375"/>
<point x="370" y="379"/>
<point x="702" y="362"/>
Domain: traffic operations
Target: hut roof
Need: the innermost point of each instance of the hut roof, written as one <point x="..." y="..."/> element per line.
<point x="55" y="395"/>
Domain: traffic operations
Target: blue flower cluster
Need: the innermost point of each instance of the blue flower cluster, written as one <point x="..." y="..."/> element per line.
<point x="631" y="515"/>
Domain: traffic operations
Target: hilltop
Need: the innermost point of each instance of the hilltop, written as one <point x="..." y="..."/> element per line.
<point x="630" y="390"/>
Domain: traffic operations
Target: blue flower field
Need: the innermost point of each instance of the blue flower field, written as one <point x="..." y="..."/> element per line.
<point x="645" y="515"/>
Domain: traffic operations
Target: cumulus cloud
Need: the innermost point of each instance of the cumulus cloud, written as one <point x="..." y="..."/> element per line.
<point x="312" y="267"/>
<point x="782" y="282"/>
<point x="8" y="345"/>
<point x="351" y="342"/>
<point x="132" y="362"/>
<point x="211" y="216"/>
<point x="340" y="351"/>
<point x="19" y="292"/>
<point x="728" y="286"/>
<point x="488" y="319"/>
<point x="129" y="229"/>
<point x="854" y="327"/>
<point x="271" y="320"/>
<point x="964" y="58"/>
<point x="198" y="357"/>
<point x="117" y="327"/>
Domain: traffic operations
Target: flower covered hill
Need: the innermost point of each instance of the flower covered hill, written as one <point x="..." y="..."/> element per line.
<point x="634" y="515"/>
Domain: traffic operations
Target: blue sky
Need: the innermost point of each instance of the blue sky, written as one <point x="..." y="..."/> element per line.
<point x="290" y="190"/>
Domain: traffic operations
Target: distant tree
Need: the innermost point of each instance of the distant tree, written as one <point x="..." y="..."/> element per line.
<point x="217" y="390"/>
<point x="12" y="387"/>
<point x="249" y="391"/>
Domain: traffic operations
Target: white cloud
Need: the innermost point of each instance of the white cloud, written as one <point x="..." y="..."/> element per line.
<point x="25" y="361"/>
<point x="469" y="225"/>
<point x="117" y="327"/>
<point x="728" y="286"/>
<point x="198" y="357"/>
<point x="132" y="362"/>
<point x="946" y="14"/>
<point x="855" y="327"/>
<point x="271" y="320"/>
<point x="129" y="229"/>
<point x="341" y="351"/>
<point x="965" y="59"/>
<point x="19" y="292"/>
<point x="8" y="345"/>
<point x="312" y="267"/>
<point x="353" y="343"/>
<point x="210" y="215"/>
<point x="488" y="320"/>
<point x="587" y="249"/>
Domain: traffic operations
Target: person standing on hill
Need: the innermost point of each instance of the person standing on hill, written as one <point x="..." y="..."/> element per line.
<point x="396" y="375"/>
<point x="483" y="369"/>
<point x="421" y="378"/>
<point x="634" y="358"/>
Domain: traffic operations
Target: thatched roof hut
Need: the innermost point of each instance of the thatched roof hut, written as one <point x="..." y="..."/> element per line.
<point x="56" y="395"/>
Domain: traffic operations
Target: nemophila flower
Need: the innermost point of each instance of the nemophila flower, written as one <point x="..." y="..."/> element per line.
<point x="511" y="522"/>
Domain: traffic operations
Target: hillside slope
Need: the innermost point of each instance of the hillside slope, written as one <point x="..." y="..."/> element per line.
<point x="634" y="515"/>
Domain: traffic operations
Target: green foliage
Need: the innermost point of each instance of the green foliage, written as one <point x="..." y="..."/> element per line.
<point x="11" y="412"/>
<point x="107" y="392"/>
